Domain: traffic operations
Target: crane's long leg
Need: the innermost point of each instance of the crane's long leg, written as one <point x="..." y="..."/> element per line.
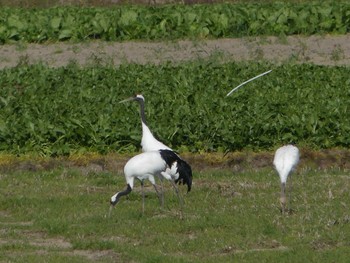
<point x="178" y="196"/>
<point x="161" y="193"/>
<point x="110" y="210"/>
<point x="283" y="197"/>
<point x="143" y="197"/>
<point x="290" y="195"/>
<point x="160" y="196"/>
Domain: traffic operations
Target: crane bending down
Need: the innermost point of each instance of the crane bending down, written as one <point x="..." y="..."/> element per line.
<point x="154" y="163"/>
<point x="150" y="143"/>
<point x="285" y="161"/>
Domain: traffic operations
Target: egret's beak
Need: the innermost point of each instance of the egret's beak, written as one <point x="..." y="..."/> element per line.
<point x="128" y="99"/>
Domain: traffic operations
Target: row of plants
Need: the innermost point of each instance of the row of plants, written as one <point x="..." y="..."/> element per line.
<point x="55" y="111"/>
<point x="173" y="21"/>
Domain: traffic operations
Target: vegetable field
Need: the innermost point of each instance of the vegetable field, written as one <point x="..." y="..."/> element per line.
<point x="76" y="109"/>
<point x="173" y="21"/>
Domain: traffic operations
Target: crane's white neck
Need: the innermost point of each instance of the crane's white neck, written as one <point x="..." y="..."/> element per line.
<point x="142" y="111"/>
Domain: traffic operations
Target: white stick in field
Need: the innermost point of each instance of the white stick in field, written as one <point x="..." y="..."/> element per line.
<point x="249" y="80"/>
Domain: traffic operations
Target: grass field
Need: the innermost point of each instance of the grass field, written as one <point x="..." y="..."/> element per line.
<point x="61" y="215"/>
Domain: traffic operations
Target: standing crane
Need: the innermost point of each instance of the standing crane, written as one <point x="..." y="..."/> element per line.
<point x="150" y="143"/>
<point x="146" y="165"/>
<point x="285" y="161"/>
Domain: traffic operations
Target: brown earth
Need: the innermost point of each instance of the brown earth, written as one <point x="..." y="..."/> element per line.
<point x="236" y="162"/>
<point x="321" y="50"/>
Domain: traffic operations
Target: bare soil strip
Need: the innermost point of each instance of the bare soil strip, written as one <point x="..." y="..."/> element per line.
<point x="330" y="50"/>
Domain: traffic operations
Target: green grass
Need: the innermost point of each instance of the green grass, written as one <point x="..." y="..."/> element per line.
<point x="51" y="3"/>
<point x="62" y="215"/>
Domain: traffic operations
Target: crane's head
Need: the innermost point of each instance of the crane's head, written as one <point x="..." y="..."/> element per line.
<point x="137" y="97"/>
<point x="114" y="199"/>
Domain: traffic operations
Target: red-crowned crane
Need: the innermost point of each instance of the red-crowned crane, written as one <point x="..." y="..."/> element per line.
<point x="146" y="165"/>
<point x="285" y="161"/>
<point x="150" y="143"/>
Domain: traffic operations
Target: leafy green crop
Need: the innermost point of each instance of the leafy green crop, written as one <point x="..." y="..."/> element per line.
<point x="57" y="111"/>
<point x="173" y="21"/>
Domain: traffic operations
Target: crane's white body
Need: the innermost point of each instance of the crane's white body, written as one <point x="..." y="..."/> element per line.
<point x="147" y="165"/>
<point x="144" y="166"/>
<point x="285" y="161"/>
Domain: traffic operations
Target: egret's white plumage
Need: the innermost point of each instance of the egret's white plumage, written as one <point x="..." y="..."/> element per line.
<point x="147" y="165"/>
<point x="285" y="161"/>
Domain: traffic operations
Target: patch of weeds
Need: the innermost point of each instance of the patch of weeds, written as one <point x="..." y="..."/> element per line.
<point x="282" y="39"/>
<point x="258" y="53"/>
<point x="58" y="50"/>
<point x="264" y="40"/>
<point x="23" y="61"/>
<point x="218" y="55"/>
<point x="20" y="46"/>
<point x="337" y="53"/>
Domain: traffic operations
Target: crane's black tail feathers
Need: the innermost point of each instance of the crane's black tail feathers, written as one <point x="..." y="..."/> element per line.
<point x="183" y="168"/>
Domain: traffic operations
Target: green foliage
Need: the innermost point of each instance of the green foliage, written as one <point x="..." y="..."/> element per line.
<point x="58" y="111"/>
<point x="173" y="21"/>
<point x="232" y="217"/>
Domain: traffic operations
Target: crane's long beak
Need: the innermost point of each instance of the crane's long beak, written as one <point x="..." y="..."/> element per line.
<point x="110" y="210"/>
<point x="128" y="99"/>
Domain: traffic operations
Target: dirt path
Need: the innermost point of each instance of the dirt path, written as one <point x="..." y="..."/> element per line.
<point x="321" y="50"/>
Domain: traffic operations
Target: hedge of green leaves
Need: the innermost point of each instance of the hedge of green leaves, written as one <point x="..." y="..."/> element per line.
<point x="58" y="111"/>
<point x="173" y="21"/>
